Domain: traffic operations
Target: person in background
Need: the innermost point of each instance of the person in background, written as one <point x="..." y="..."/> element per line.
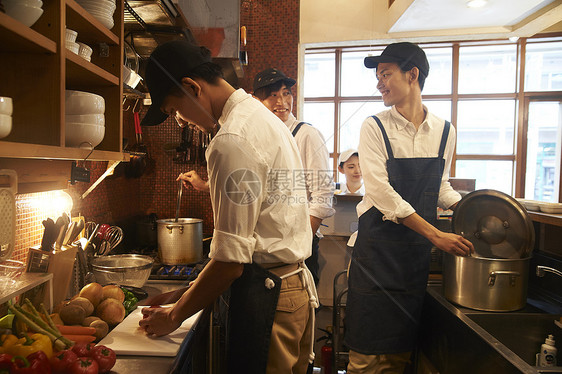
<point x="405" y="154"/>
<point x="261" y="236"/>
<point x="273" y="89"/>
<point x="348" y="165"/>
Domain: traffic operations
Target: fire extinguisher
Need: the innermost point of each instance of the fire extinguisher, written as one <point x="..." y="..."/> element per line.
<point x="327" y="350"/>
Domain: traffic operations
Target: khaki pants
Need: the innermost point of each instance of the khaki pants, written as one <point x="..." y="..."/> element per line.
<point x="377" y="364"/>
<point x="291" y="336"/>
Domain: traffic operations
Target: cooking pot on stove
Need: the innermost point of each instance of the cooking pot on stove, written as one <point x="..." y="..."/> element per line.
<point x="495" y="277"/>
<point x="181" y="241"/>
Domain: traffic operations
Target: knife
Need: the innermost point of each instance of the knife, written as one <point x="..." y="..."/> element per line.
<point x="69" y="234"/>
<point x="48" y="236"/>
<point x="164" y="298"/>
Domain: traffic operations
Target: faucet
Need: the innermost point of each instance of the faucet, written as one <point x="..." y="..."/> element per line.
<point x="542" y="269"/>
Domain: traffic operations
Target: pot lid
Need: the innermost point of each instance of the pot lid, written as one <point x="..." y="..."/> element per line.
<point x="496" y="224"/>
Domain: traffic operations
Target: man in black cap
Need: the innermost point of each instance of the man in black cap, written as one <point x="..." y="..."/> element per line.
<point x="261" y="234"/>
<point x="405" y="154"/>
<point x="273" y="89"/>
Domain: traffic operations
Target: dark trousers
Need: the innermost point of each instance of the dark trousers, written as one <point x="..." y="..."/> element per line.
<point x="312" y="261"/>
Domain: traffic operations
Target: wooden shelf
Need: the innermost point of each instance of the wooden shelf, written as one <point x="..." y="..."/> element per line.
<point x="91" y="30"/>
<point x="36" y="69"/>
<point x="550" y="219"/>
<point x="80" y="72"/>
<point x="16" y="37"/>
<point x="37" y="151"/>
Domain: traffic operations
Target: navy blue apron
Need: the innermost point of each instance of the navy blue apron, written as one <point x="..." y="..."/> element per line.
<point x="251" y="314"/>
<point x="390" y="262"/>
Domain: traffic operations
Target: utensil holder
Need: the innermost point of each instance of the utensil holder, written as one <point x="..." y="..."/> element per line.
<point x="59" y="263"/>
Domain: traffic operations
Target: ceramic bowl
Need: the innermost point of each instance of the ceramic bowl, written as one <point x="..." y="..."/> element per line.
<point x="70" y="35"/>
<point x="92" y="119"/>
<point x="83" y="135"/>
<point x="73" y="47"/>
<point x="85" y="51"/>
<point x="6" y="106"/>
<point x="5" y="125"/>
<point x="80" y="102"/>
<point x="24" y="13"/>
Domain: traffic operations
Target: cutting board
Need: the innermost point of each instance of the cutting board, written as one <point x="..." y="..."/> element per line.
<point x="128" y="339"/>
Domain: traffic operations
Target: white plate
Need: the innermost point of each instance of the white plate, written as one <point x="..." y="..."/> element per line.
<point x="8" y="214"/>
<point x="551" y="207"/>
<point x="531" y="205"/>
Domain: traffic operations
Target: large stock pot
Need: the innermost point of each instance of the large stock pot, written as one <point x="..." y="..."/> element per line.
<point x="495" y="277"/>
<point x="180" y="242"/>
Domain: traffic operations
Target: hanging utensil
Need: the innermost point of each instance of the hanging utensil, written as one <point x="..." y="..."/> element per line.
<point x="137" y="165"/>
<point x="179" y="202"/>
<point x="113" y="236"/>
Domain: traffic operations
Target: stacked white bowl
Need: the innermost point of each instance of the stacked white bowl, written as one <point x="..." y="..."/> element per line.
<point x="6" y="109"/>
<point x="70" y="41"/>
<point x="25" y="11"/>
<point x="85" y="120"/>
<point x="102" y="10"/>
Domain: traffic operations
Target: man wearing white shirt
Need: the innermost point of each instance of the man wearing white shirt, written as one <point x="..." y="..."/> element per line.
<point x="405" y="155"/>
<point x="261" y="234"/>
<point x="273" y="88"/>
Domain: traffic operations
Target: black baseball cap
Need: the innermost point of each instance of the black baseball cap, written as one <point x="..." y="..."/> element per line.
<point x="270" y="76"/>
<point x="402" y="53"/>
<point x="167" y="65"/>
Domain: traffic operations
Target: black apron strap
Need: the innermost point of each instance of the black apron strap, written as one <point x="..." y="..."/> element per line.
<point x="385" y="137"/>
<point x="251" y="315"/>
<point x="299" y="127"/>
<point x="444" y="138"/>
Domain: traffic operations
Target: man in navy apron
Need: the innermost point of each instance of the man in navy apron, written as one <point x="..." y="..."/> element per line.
<point x="405" y="156"/>
<point x="261" y="234"/>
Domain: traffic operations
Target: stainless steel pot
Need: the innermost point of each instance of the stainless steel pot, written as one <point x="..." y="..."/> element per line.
<point x="496" y="285"/>
<point x="180" y="242"/>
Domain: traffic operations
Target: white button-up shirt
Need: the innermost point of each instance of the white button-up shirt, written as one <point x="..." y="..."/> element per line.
<point x="257" y="188"/>
<point x="406" y="142"/>
<point x="315" y="159"/>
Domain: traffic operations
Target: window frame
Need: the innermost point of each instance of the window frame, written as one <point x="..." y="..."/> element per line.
<point x="521" y="98"/>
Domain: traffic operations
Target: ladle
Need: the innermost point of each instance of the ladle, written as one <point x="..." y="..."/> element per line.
<point x="179" y="201"/>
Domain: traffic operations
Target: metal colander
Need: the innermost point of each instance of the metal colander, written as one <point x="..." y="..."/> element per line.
<point x="122" y="270"/>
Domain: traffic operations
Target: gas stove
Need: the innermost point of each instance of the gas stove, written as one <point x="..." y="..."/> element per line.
<point x="177" y="272"/>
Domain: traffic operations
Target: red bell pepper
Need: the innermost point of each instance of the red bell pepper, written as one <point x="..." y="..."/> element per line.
<point x="35" y="363"/>
<point x="6" y="364"/>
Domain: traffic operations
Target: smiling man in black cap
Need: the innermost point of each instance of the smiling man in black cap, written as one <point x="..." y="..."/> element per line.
<point x="405" y="154"/>
<point x="273" y="88"/>
<point x="261" y="223"/>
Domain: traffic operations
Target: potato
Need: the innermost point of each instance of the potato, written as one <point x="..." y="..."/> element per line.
<point x="114" y="292"/>
<point x="111" y="311"/>
<point x="93" y="292"/>
<point x="102" y="328"/>
<point x="84" y="303"/>
<point x="72" y="314"/>
<point x="88" y="320"/>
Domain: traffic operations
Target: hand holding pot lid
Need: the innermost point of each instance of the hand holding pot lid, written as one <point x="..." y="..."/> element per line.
<point x="497" y="225"/>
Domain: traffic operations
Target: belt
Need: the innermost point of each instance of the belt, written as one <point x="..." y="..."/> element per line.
<point x="280" y="268"/>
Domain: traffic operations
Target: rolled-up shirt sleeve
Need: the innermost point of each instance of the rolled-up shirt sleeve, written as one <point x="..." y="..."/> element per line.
<point x="378" y="191"/>
<point x="237" y="182"/>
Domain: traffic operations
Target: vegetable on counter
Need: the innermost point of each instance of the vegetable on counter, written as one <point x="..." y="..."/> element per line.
<point x="27" y="345"/>
<point x="35" y="322"/>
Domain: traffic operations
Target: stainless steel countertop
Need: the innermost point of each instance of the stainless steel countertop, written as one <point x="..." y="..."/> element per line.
<point x="144" y="364"/>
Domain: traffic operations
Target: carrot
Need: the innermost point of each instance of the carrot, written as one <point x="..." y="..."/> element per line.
<point x="76" y="330"/>
<point x="80" y="338"/>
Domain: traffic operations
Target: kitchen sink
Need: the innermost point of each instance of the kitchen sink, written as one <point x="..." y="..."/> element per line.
<point x="522" y="333"/>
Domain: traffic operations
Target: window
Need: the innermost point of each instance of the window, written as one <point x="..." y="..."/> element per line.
<point x="483" y="100"/>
